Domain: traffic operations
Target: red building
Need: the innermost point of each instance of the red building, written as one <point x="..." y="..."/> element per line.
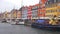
<point x="37" y="10"/>
<point x="29" y="12"/>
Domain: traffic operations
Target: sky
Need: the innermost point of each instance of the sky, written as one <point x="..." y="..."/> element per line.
<point x="8" y="5"/>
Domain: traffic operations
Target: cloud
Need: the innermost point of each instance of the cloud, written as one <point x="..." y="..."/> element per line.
<point x="30" y="2"/>
<point x="9" y="4"/>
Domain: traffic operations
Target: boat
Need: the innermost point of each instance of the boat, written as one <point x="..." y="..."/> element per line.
<point x="44" y="24"/>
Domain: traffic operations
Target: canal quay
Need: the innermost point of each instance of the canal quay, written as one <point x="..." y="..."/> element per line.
<point x="6" y="28"/>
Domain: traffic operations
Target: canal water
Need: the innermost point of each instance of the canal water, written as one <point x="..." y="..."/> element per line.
<point x="21" y="29"/>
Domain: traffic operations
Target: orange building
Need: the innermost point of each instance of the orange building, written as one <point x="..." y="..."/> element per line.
<point x="41" y="10"/>
<point x="19" y="14"/>
<point x="41" y="13"/>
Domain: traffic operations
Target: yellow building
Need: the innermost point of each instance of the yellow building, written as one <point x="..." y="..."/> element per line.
<point x="52" y="9"/>
<point x="14" y="13"/>
<point x="5" y="14"/>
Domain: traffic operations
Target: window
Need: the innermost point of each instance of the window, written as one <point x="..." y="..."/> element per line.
<point x="50" y="11"/>
<point x="46" y="3"/>
<point x="55" y="10"/>
<point x="24" y="16"/>
<point x="40" y="12"/>
<point x="55" y="1"/>
<point x="58" y="0"/>
<point x="34" y="10"/>
<point x="59" y="4"/>
<point x="58" y="10"/>
<point x="47" y="11"/>
<point x="50" y="1"/>
<point x="34" y="16"/>
<point x="13" y="19"/>
<point x="49" y="15"/>
<point x="35" y="7"/>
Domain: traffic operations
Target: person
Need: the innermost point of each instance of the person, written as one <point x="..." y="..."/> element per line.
<point x="53" y="21"/>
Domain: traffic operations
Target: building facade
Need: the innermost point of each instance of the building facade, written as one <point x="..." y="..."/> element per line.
<point x="29" y="12"/>
<point x="15" y="14"/>
<point x="24" y="12"/>
<point x="19" y="14"/>
<point x="52" y="9"/>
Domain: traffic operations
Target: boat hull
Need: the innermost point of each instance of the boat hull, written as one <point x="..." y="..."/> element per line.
<point x="46" y="26"/>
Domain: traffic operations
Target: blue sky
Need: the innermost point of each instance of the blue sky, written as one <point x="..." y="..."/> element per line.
<point x="10" y="4"/>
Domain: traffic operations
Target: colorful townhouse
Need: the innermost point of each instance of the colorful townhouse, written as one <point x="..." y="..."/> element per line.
<point x="52" y="8"/>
